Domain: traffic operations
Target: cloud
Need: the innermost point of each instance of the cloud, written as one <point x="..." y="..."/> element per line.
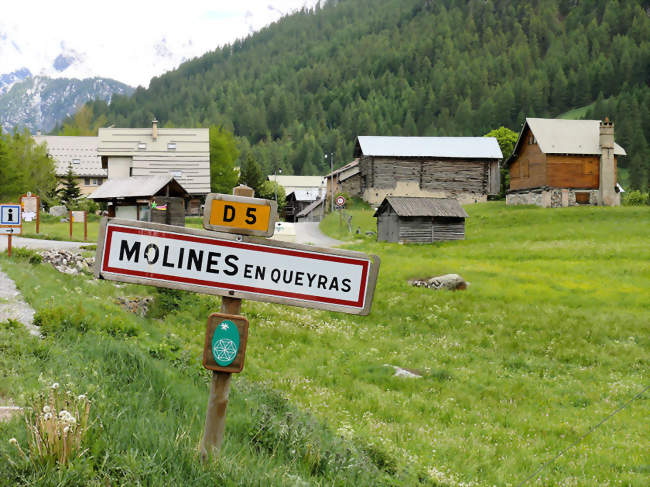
<point x="126" y="40"/>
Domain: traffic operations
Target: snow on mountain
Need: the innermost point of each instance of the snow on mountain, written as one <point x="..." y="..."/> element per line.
<point x="39" y="102"/>
<point x="10" y="79"/>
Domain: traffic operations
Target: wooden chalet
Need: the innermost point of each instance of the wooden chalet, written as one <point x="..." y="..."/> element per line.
<point x="559" y="163"/>
<point x="465" y="168"/>
<point x="298" y="200"/>
<point x="159" y="199"/>
<point x="408" y="219"/>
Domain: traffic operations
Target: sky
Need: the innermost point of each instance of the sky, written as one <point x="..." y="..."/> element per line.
<point x="130" y="41"/>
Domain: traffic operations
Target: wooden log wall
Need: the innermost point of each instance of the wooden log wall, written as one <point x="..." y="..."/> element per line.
<point x="416" y="230"/>
<point x="448" y="229"/>
<point x="454" y="176"/>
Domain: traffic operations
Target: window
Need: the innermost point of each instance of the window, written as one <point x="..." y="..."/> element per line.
<point x="76" y="161"/>
<point x="171" y="146"/>
<point x="142" y="146"/>
<point x="176" y="174"/>
<point x="87" y="181"/>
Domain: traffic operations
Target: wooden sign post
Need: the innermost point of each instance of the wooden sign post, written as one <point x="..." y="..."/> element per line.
<point x="30" y="203"/>
<point x="237" y="266"/>
<point x="10" y="222"/>
<point x="78" y="217"/>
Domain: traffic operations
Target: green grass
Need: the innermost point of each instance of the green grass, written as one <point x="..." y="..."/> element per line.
<point x="576" y="113"/>
<point x="551" y="335"/>
<point x="51" y="228"/>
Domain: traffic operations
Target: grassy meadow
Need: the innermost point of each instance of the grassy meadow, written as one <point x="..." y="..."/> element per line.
<point x="52" y="228"/>
<point x="550" y="337"/>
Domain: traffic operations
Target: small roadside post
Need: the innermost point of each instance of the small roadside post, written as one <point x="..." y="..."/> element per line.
<point x="231" y="259"/>
<point x="10" y="222"/>
<point x="78" y="217"/>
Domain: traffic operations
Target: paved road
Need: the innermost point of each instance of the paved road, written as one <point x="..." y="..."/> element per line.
<point x="35" y="243"/>
<point x="309" y="233"/>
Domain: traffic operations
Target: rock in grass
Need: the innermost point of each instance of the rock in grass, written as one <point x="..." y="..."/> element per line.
<point x="449" y="281"/>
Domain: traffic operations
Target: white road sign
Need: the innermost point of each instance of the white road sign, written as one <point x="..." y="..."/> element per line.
<point x="236" y="266"/>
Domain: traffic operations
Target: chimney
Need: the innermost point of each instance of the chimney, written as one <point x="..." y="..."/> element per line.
<point x="607" y="195"/>
<point x="154" y="129"/>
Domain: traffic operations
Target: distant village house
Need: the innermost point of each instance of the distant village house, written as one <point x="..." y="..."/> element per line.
<point x="559" y="163"/>
<point x="80" y="155"/>
<point x="465" y="168"/>
<point x="178" y="153"/>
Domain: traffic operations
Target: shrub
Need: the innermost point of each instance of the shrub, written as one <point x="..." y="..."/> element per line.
<point x="29" y="255"/>
<point x="635" y="198"/>
<point x="58" y="319"/>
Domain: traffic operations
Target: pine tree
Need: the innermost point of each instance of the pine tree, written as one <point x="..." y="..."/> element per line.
<point x="69" y="191"/>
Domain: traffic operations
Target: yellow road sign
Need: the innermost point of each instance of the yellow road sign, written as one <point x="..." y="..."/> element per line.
<point x="239" y="214"/>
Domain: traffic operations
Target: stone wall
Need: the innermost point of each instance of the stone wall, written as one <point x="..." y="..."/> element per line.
<point x="551" y="197"/>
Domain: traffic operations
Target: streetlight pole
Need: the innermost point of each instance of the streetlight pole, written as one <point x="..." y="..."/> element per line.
<point x="331" y="157"/>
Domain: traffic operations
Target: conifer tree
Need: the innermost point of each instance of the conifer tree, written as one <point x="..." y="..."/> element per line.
<point x="69" y="192"/>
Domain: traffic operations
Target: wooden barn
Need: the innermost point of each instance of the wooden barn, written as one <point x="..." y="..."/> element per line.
<point x="409" y="219"/>
<point x="559" y="163"/>
<point x="345" y="180"/>
<point x="464" y="168"/>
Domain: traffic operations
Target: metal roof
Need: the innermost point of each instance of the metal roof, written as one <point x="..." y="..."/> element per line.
<point x="306" y="194"/>
<point x="452" y="147"/>
<point x="418" y="206"/>
<point x="80" y="153"/>
<point x="134" y="187"/>
<point x="557" y="136"/>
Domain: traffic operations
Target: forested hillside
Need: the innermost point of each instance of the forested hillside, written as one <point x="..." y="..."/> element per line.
<point x="311" y="82"/>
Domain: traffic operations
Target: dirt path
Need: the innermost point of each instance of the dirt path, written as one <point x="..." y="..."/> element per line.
<point x="14" y="307"/>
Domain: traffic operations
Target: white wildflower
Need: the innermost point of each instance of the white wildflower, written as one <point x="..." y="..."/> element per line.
<point x="81" y="397"/>
<point x="47" y="416"/>
<point x="13" y="441"/>
<point x="66" y="429"/>
<point x="46" y="409"/>
<point x="55" y="385"/>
